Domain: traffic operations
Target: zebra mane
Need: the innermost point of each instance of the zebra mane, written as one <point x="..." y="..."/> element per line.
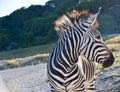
<point x="67" y="20"/>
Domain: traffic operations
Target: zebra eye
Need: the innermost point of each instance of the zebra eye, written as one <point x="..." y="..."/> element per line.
<point x="98" y="37"/>
<point x="96" y="34"/>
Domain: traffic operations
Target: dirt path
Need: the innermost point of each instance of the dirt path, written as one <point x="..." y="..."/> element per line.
<point x="108" y="80"/>
<point x="33" y="79"/>
<point x="3" y="87"/>
<point x="26" y="79"/>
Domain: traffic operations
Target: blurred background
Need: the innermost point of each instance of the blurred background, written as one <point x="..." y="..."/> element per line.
<point x="27" y="26"/>
<point x="27" y="23"/>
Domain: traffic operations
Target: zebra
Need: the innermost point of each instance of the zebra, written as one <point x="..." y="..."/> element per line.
<point x="78" y="39"/>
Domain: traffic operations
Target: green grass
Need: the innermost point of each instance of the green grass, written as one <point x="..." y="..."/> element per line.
<point x="25" y="52"/>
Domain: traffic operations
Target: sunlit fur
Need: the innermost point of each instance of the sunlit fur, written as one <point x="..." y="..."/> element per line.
<point x="74" y="16"/>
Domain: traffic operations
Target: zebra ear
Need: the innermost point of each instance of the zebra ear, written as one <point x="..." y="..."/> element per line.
<point x="93" y="17"/>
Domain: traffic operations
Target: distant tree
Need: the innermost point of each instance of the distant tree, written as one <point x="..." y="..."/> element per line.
<point x="4" y="38"/>
<point x="35" y="25"/>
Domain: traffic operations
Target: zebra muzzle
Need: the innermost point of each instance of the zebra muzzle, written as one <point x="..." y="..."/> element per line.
<point x="108" y="62"/>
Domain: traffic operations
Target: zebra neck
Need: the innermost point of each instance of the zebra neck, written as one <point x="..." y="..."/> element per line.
<point x="71" y="40"/>
<point x="65" y="33"/>
<point x="70" y="33"/>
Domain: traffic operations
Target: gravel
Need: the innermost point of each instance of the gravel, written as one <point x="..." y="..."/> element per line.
<point x="34" y="79"/>
<point x="25" y="79"/>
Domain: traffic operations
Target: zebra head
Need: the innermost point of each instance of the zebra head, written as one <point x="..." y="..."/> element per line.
<point x="92" y="45"/>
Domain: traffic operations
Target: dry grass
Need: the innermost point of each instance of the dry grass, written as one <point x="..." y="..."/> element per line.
<point x="114" y="40"/>
<point x="12" y="64"/>
<point x="114" y="43"/>
<point x="39" y="56"/>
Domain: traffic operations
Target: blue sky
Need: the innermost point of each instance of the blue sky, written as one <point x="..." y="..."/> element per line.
<point x="8" y="6"/>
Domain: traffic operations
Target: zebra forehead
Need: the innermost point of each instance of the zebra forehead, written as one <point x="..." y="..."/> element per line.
<point x="70" y="17"/>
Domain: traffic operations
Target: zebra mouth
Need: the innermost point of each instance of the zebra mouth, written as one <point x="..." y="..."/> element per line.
<point x="107" y="63"/>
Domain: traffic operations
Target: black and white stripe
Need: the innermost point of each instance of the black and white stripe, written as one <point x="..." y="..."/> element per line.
<point x="90" y="70"/>
<point x="77" y="39"/>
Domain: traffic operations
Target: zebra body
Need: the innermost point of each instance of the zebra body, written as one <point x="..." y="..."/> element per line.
<point x="87" y="76"/>
<point x="65" y="69"/>
<point x="72" y="63"/>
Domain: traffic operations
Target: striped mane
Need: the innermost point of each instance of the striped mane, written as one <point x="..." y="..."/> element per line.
<point x="68" y="19"/>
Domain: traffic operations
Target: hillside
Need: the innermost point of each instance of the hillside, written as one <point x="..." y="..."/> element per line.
<point x="33" y="26"/>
